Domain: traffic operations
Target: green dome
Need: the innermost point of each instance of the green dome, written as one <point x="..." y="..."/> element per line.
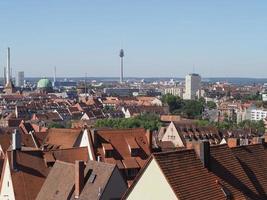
<point x="44" y="83"/>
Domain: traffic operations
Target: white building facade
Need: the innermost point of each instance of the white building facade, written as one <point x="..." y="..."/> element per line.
<point x="20" y="79"/>
<point x="176" y="91"/>
<point x="258" y="114"/>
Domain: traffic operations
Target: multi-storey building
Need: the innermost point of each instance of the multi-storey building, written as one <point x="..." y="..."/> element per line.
<point x="192" y="86"/>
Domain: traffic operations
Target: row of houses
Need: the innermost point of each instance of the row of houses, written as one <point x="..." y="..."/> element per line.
<point x="95" y="164"/>
<point x="124" y="164"/>
<point x="53" y="109"/>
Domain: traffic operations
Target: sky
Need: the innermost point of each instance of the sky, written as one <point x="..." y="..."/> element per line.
<point x="170" y="38"/>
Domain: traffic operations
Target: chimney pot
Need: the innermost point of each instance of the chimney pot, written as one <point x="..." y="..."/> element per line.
<point x="79" y="177"/>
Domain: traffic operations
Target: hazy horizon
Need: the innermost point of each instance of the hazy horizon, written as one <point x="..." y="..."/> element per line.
<point x="160" y="38"/>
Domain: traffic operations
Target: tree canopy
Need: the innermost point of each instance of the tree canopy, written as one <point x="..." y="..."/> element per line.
<point x="147" y="121"/>
<point x="187" y="108"/>
<point x="254" y="126"/>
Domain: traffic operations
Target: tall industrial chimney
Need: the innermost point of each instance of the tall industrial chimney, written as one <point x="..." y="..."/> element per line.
<point x="121" y="56"/>
<point x="8" y="70"/>
<point x="55" y="76"/>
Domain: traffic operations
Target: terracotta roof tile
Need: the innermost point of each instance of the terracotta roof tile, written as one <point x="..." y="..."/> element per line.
<point x="30" y="176"/>
<point x="226" y="167"/>
<point x="187" y="177"/>
<point x="67" y="155"/>
<point x="253" y="160"/>
<point x="62" y="138"/>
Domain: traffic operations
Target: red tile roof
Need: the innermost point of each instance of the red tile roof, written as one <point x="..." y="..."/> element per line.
<point x="30" y="176"/>
<point x="118" y="139"/>
<point x="226" y="167"/>
<point x="187" y="177"/>
<point x="253" y="159"/>
<point x="62" y="138"/>
<point x="67" y="155"/>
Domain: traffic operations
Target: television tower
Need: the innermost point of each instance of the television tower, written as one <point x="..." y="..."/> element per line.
<point x="121" y="56"/>
<point x="8" y="70"/>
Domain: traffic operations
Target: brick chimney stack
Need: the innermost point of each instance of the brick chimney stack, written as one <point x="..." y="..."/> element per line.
<point x="202" y="149"/>
<point x="233" y="142"/>
<point x="16" y="146"/>
<point x="79" y="178"/>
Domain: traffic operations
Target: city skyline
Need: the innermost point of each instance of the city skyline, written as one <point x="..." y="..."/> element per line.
<point x="218" y="39"/>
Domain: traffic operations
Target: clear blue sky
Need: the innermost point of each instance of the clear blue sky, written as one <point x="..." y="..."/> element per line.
<point x="160" y="38"/>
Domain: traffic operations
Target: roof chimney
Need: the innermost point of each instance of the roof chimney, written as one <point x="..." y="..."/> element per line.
<point x="16" y="140"/>
<point x="16" y="145"/>
<point x="233" y="142"/>
<point x="258" y="140"/>
<point x="203" y="151"/>
<point x="149" y="138"/>
<point x="79" y="178"/>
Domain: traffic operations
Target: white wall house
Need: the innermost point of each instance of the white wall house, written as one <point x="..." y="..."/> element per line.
<point x="258" y="114"/>
<point x="156" y="102"/>
<point x="87" y="142"/>
<point x="7" y="190"/>
<point x="176" y="91"/>
<point x="147" y="187"/>
<point x="172" y="135"/>
<point x="264" y="96"/>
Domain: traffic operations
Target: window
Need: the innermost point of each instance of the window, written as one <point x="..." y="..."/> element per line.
<point x="171" y="137"/>
<point x="108" y="153"/>
<point x="131" y="172"/>
<point x="134" y="152"/>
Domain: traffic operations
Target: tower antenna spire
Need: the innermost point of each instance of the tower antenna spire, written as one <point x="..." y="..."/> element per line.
<point x="121" y="74"/>
<point x="8" y="70"/>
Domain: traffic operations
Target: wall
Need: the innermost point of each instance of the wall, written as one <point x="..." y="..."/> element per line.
<point x="85" y="143"/>
<point x="152" y="185"/>
<point x="171" y="131"/>
<point x="7" y="191"/>
<point x="116" y="186"/>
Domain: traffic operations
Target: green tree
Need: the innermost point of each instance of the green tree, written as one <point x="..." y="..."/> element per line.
<point x="56" y="125"/>
<point x="147" y="121"/>
<point x="211" y="105"/>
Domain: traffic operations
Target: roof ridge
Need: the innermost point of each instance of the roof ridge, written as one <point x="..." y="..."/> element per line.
<point x="172" y="152"/>
<point x="63" y="162"/>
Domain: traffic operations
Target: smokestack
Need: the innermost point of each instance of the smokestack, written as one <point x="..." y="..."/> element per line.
<point x="4" y="75"/>
<point x="79" y="178"/>
<point x="121" y="56"/>
<point x="55" y="76"/>
<point x="16" y="146"/>
<point x="8" y="70"/>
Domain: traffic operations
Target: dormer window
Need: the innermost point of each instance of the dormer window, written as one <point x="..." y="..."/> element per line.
<point x="108" y="150"/>
<point x="133" y="147"/>
<point x="135" y="152"/>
